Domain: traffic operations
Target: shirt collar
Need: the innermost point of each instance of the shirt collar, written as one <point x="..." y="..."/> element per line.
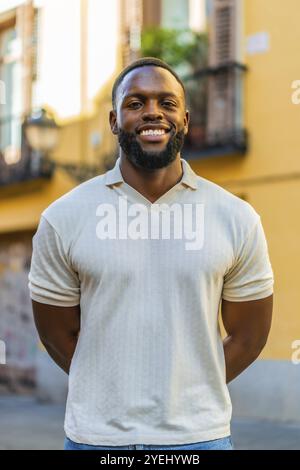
<point x="189" y="177"/>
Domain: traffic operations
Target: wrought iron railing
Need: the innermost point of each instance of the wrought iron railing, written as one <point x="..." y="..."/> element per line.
<point x="23" y="171"/>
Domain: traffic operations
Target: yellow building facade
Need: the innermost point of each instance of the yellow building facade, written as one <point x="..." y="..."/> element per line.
<point x="267" y="176"/>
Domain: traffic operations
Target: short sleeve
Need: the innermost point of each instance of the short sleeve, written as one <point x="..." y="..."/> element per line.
<point x="251" y="277"/>
<point x="51" y="278"/>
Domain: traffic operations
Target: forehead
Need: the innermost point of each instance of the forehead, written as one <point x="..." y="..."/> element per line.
<point x="149" y="80"/>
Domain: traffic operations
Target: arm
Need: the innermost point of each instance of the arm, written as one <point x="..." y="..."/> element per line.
<point x="247" y="325"/>
<point x="58" y="328"/>
<point x="55" y="292"/>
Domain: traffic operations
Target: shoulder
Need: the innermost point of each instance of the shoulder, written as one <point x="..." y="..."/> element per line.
<point x="69" y="210"/>
<point x="232" y="215"/>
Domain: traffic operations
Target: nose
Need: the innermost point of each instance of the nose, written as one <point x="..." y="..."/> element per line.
<point x="152" y="111"/>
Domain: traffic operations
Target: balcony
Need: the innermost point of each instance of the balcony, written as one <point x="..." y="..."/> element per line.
<point x="24" y="170"/>
<point x="20" y="165"/>
<point x="215" y="101"/>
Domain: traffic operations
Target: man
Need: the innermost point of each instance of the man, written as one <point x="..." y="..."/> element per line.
<point x="126" y="293"/>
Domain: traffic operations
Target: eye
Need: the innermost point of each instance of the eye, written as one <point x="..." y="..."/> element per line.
<point x="169" y="104"/>
<point x="134" y="104"/>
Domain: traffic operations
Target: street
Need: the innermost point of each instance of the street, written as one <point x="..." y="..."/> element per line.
<point x="27" y="424"/>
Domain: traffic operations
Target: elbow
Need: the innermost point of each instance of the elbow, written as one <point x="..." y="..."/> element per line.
<point x="46" y="342"/>
<point x="257" y="348"/>
<point x="261" y="341"/>
<point x="54" y="340"/>
<point x="253" y="346"/>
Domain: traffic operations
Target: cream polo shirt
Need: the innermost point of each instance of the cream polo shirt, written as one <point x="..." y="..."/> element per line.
<point x="149" y="363"/>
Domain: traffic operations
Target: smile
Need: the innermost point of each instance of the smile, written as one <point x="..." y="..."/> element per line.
<point x="153" y="132"/>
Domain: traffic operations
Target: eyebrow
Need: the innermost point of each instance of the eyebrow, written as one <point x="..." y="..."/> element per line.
<point x="163" y="94"/>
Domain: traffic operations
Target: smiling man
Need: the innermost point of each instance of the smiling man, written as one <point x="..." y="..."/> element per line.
<point x="133" y="316"/>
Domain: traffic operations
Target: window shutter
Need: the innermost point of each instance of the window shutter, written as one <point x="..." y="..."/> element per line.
<point x="224" y="31"/>
<point x="35" y="44"/>
<point x="151" y="13"/>
<point x="131" y="25"/>
<point x="222" y="85"/>
<point x="25" y="20"/>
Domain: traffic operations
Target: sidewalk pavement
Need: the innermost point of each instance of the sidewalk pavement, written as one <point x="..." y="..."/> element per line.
<point x="27" y="424"/>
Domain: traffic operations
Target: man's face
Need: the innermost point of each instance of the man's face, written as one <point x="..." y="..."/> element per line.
<point x="150" y="118"/>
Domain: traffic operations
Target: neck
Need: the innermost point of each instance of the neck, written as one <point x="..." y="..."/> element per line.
<point x="151" y="184"/>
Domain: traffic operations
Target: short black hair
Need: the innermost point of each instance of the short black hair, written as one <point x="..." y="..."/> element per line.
<point x="143" y="62"/>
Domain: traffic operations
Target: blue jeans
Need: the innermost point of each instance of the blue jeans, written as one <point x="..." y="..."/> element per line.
<point x="225" y="443"/>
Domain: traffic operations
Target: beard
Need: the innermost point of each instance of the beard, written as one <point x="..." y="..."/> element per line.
<point x="150" y="160"/>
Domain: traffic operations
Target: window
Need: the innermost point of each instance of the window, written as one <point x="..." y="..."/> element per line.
<point x="219" y="129"/>
<point x="19" y="75"/>
<point x="10" y="110"/>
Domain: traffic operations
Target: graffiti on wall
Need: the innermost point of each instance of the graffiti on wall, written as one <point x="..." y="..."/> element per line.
<point x="17" y="329"/>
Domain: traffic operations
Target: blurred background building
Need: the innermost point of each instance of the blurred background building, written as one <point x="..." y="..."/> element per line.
<point x="238" y="59"/>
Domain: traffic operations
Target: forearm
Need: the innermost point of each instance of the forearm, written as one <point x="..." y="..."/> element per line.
<point x="58" y="329"/>
<point x="62" y="352"/>
<point x="238" y="356"/>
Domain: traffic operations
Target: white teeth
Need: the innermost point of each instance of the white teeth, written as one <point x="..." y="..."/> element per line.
<point x="153" y="132"/>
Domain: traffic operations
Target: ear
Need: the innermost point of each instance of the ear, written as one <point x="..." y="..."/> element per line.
<point x="186" y="121"/>
<point x="113" y="122"/>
